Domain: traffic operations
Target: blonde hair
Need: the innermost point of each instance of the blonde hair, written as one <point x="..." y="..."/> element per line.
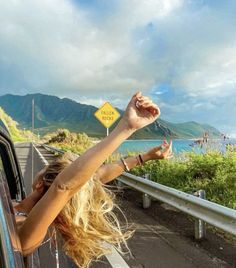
<point x="87" y="220"/>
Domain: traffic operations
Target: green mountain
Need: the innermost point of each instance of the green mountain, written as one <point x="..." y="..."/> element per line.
<point x="190" y="129"/>
<point x="52" y="113"/>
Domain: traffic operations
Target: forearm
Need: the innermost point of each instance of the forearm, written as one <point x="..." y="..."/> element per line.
<point x="28" y="203"/>
<point x="78" y="173"/>
<point x="109" y="172"/>
<point x="35" y="226"/>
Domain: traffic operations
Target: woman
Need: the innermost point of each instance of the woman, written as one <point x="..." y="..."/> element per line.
<point x="70" y="194"/>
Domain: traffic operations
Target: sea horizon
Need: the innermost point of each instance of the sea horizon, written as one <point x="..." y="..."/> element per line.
<point x="179" y="145"/>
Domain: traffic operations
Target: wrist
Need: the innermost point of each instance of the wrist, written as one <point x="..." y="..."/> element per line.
<point x="124" y="126"/>
<point x="145" y="157"/>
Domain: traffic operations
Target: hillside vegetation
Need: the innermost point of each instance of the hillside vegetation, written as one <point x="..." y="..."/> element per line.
<point x="12" y="126"/>
<point x="69" y="141"/>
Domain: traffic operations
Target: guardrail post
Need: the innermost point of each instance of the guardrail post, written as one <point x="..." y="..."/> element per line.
<point x="200" y="225"/>
<point x="119" y="184"/>
<point x="146" y="198"/>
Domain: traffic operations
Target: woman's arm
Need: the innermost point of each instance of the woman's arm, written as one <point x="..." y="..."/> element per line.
<point x="72" y="178"/>
<point x="109" y="172"/>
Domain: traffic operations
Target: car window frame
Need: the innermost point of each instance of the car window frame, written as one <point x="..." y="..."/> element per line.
<point x="9" y="241"/>
<point x="11" y="186"/>
<point x="11" y="168"/>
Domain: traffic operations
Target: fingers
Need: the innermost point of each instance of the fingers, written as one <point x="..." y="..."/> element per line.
<point x="163" y="151"/>
<point x="165" y="144"/>
<point x="143" y="102"/>
<point x="157" y="148"/>
<point x="167" y="150"/>
<point x="152" y="108"/>
<point x="136" y="96"/>
<point x="171" y="146"/>
<point x="164" y="147"/>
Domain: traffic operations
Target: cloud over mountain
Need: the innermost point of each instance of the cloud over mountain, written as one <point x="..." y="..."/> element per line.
<point x="105" y="50"/>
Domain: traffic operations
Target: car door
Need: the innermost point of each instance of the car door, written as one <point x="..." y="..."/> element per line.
<point x="11" y="187"/>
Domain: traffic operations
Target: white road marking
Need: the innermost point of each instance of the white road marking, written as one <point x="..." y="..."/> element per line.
<point x="45" y="162"/>
<point x="115" y="259"/>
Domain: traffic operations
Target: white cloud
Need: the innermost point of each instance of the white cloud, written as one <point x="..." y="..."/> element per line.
<point x="138" y="13"/>
<point x="97" y="102"/>
<point x="213" y="76"/>
<point x="56" y="47"/>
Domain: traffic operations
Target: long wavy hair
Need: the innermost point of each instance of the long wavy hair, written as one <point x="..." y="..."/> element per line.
<point x="87" y="223"/>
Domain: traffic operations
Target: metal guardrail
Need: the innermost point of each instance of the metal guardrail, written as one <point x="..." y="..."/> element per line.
<point x="210" y="212"/>
<point x="52" y="149"/>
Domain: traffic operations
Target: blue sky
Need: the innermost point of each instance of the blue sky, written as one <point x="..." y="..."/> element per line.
<point x="182" y="53"/>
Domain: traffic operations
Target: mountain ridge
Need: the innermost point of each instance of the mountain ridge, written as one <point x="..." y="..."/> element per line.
<point x="52" y="112"/>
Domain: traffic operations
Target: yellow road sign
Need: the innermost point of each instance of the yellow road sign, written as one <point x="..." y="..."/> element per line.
<point x="107" y="114"/>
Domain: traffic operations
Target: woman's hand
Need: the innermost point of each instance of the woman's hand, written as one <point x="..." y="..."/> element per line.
<point x="164" y="151"/>
<point x="140" y="112"/>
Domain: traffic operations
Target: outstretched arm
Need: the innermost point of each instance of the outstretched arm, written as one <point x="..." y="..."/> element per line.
<point x="139" y="113"/>
<point x="109" y="172"/>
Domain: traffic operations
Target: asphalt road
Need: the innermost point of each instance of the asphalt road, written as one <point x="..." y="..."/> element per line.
<point x="152" y="246"/>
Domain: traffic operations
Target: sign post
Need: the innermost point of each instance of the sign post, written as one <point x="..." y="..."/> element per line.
<point x="107" y="115"/>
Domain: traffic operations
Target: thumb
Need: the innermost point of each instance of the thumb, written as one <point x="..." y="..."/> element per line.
<point x="137" y="95"/>
<point x="134" y="99"/>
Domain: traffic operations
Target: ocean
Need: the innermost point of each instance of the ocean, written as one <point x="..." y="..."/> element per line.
<point x="179" y="146"/>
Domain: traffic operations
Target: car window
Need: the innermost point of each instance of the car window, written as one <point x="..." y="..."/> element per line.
<point x="11" y="168"/>
<point x="2" y="168"/>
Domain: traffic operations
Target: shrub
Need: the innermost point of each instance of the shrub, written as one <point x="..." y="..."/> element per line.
<point x="213" y="172"/>
<point x="69" y="141"/>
